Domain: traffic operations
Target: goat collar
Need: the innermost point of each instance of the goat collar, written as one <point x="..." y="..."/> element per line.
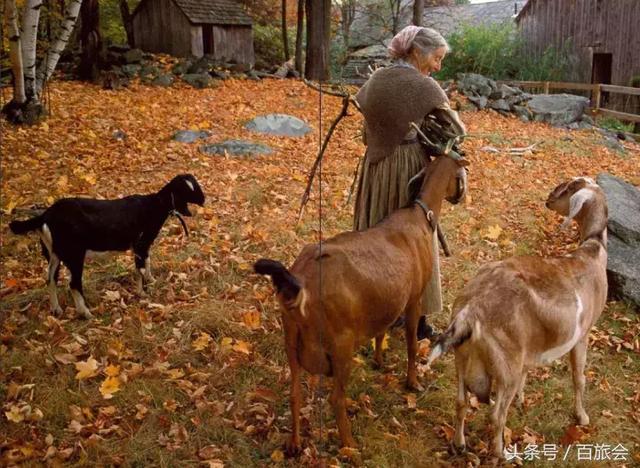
<point x="428" y="213"/>
<point x="177" y="215"/>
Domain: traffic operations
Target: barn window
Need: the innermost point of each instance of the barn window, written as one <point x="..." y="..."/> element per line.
<point x="601" y="73"/>
<point x="207" y="38"/>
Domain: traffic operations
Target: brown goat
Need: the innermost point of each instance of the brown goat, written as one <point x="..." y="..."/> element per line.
<point x="529" y="311"/>
<point x="340" y="294"/>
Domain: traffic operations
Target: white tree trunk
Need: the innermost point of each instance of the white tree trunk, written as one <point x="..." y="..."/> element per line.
<point x="15" y="55"/>
<point x="50" y="61"/>
<point x="30" y="19"/>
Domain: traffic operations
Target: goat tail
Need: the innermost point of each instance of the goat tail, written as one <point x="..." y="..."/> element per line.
<point x="285" y="283"/>
<point x="459" y="331"/>
<point x="22" y="227"/>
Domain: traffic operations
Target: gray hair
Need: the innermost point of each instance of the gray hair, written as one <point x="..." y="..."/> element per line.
<point x="428" y="40"/>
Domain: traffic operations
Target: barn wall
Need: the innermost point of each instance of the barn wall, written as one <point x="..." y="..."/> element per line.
<point x="590" y="26"/>
<point x="160" y="26"/>
<point x="233" y="42"/>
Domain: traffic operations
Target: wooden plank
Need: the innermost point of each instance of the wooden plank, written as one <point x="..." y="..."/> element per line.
<point x="619" y="115"/>
<point x="621" y="89"/>
<point x="565" y="85"/>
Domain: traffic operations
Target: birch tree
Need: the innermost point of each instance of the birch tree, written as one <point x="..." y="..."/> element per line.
<point x="28" y="77"/>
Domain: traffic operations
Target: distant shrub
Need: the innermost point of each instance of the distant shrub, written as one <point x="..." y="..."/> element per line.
<point x="498" y="51"/>
<point x="267" y="45"/>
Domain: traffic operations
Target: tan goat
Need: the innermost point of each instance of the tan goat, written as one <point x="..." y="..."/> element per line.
<point x="528" y="311"/>
<point x="338" y="296"/>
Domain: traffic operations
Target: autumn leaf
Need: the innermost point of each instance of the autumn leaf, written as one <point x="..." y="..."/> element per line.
<point x="572" y="435"/>
<point x="225" y="343"/>
<point x="14" y="414"/>
<point x="251" y="319"/>
<point x="65" y="358"/>
<point x="492" y="232"/>
<point x="86" y="369"/>
<point x="242" y="347"/>
<point x="110" y="386"/>
<point x="411" y="401"/>
<point x="202" y="342"/>
<point x="112" y="370"/>
<point x="277" y="456"/>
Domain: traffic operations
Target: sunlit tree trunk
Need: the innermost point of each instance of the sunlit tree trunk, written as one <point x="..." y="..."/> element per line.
<point x="90" y="40"/>
<point x="418" y="12"/>
<point x="15" y="53"/>
<point x="285" y="38"/>
<point x="30" y="20"/>
<point x="318" y="39"/>
<point x="48" y="65"/>
<point x="299" y="33"/>
<point x="127" y="21"/>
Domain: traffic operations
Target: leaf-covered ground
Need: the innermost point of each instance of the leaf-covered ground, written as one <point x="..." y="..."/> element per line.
<point x="195" y="372"/>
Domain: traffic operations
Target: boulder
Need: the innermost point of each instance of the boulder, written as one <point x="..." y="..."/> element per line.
<point x="236" y="148"/>
<point x="130" y="70"/>
<point x="523" y="113"/>
<point x="279" y="124"/>
<point x="557" y="109"/>
<point x="472" y="84"/>
<point x="189" y="136"/>
<point x="199" y="80"/>
<point x="479" y="101"/>
<point x="149" y="72"/>
<point x="182" y="67"/>
<point x="500" y="105"/>
<point x="623" y="267"/>
<point x="163" y="80"/>
<point x="132" y="56"/>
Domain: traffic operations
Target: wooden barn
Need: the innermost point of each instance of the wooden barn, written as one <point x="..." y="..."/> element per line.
<point x="603" y="36"/>
<point x="182" y="28"/>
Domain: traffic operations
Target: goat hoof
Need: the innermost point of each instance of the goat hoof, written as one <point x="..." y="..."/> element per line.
<point x="293" y="447"/>
<point x="458" y="449"/>
<point x="415" y="386"/>
<point x="57" y="311"/>
<point x="85" y="314"/>
<point x="583" y="419"/>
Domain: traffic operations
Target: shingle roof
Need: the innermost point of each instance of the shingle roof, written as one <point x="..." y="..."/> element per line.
<point x="214" y="11"/>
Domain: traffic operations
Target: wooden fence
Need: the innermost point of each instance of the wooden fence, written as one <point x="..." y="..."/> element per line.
<point x="596" y="94"/>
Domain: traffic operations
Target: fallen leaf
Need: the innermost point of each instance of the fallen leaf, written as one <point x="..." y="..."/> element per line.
<point x="277" y="456"/>
<point x="492" y="232"/>
<point x="251" y="319"/>
<point x="110" y="386"/>
<point x="242" y="347"/>
<point x="202" y="342"/>
<point x="14" y="414"/>
<point x="86" y="369"/>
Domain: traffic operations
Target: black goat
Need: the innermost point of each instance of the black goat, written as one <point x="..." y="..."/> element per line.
<point x="71" y="227"/>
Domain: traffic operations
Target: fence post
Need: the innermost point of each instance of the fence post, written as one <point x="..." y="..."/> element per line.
<point x="598" y="91"/>
<point x="546" y="87"/>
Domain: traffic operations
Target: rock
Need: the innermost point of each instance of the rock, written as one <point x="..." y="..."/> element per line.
<point x="189" y="136"/>
<point x="181" y="68"/>
<point x="611" y="141"/>
<point x="130" y="70"/>
<point x="623" y="267"/>
<point x="623" y="271"/>
<point x="149" y="72"/>
<point x="163" y="80"/>
<point x="199" y="80"/>
<point x="279" y="124"/>
<point x="239" y="67"/>
<point x="220" y="74"/>
<point x="557" y="109"/>
<point x="236" y="148"/>
<point x="500" y="105"/>
<point x="523" y="113"/>
<point x="515" y="99"/>
<point x="472" y="84"/>
<point x="623" y="200"/>
<point x="132" y="56"/>
<point x="479" y="101"/>
<point x="119" y="135"/>
<point x="252" y="75"/>
<point x="200" y="66"/>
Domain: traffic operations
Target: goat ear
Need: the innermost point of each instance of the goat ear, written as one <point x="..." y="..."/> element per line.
<point x="463" y="162"/>
<point x="576" y="202"/>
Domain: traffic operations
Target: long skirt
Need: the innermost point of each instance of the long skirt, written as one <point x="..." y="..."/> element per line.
<point x="382" y="189"/>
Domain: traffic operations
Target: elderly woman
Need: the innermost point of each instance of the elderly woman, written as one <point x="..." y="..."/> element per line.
<point x="392" y="99"/>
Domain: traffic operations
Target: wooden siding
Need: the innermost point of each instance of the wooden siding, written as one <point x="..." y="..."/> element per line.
<point x="161" y="27"/>
<point x="591" y="26"/>
<point x="233" y="43"/>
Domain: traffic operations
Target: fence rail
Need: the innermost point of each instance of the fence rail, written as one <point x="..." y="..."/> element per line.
<point x="596" y="89"/>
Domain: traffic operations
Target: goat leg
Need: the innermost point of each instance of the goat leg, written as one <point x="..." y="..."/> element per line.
<point x="504" y="396"/>
<point x="341" y="366"/>
<point x="75" y="266"/>
<point x="520" y="400"/>
<point x="293" y="445"/>
<point x="462" y="403"/>
<point x="411" y="328"/>
<point x="578" y="357"/>
<point x="52" y="279"/>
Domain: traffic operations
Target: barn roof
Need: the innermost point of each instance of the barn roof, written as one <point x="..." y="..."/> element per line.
<point x="229" y="12"/>
<point x="523" y="10"/>
<point x="214" y="11"/>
